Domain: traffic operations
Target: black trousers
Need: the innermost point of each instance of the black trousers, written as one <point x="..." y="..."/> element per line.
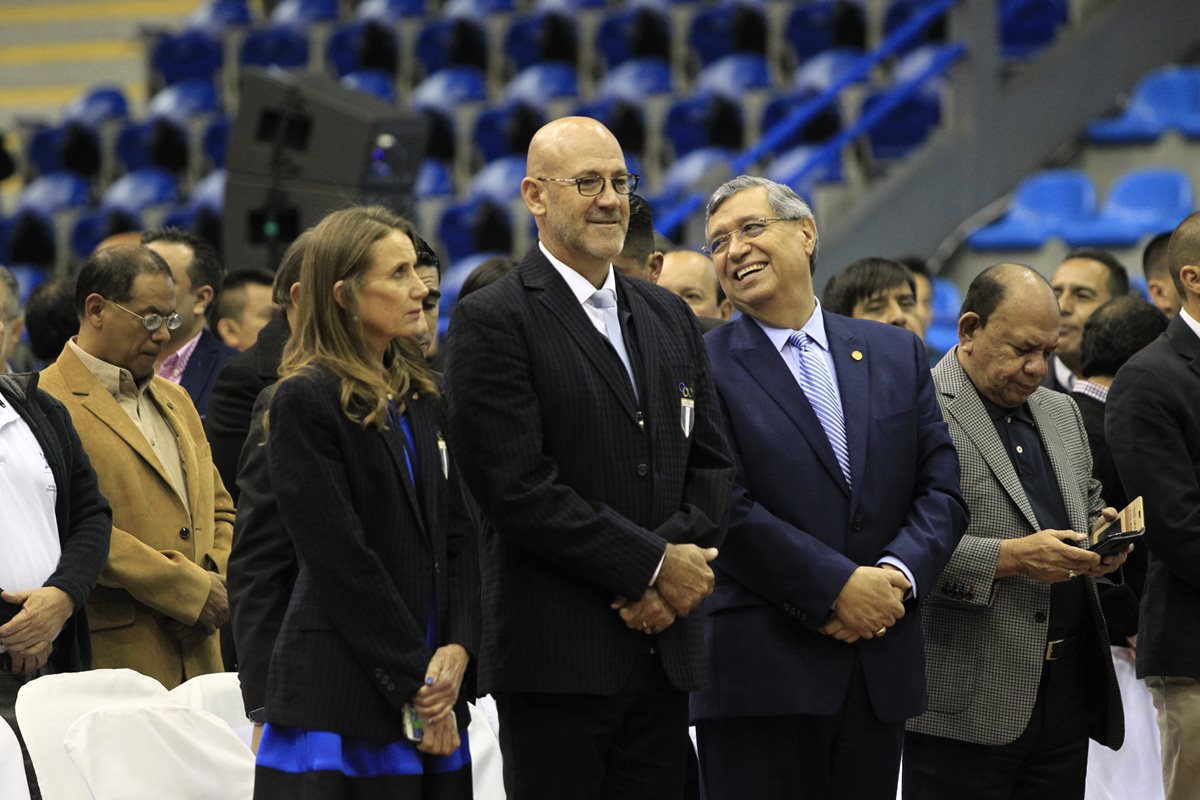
<point x="1048" y="760"/>
<point x="628" y="746"/>
<point x="851" y="754"/>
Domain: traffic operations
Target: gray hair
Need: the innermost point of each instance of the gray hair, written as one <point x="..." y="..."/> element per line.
<point x="783" y="199"/>
<point x="10" y="309"/>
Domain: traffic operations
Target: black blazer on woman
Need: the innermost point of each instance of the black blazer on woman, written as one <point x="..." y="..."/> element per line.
<point x="373" y="550"/>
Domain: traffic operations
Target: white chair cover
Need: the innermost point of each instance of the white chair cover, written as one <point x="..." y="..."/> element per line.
<point x="1135" y="771"/>
<point x="46" y="707"/>
<point x="219" y="693"/>
<point x="487" y="769"/>
<point x="152" y="752"/>
<point x="13" y="785"/>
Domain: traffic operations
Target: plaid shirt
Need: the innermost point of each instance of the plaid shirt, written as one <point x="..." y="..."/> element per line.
<point x="173" y="367"/>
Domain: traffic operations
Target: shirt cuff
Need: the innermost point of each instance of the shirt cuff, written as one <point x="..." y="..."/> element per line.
<point x="658" y="569"/>
<point x="898" y="564"/>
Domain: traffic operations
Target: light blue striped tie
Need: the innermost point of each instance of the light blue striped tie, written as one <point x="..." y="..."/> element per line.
<point x="817" y="384"/>
<point x="606" y="301"/>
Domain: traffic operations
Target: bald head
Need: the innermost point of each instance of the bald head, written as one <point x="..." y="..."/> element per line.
<point x="583" y="232"/>
<point x="692" y="276"/>
<point x="1183" y="259"/>
<point x="1007" y="332"/>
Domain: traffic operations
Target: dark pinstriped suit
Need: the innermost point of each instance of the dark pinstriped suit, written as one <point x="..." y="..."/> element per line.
<point x="580" y="497"/>
<point x="373" y="550"/>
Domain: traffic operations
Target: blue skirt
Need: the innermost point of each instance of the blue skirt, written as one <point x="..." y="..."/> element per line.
<point x="300" y="764"/>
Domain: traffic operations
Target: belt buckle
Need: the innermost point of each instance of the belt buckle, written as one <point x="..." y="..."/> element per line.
<point x="1050" y="646"/>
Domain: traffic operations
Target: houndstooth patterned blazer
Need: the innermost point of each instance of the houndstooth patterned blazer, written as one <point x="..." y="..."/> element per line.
<point x="985" y="639"/>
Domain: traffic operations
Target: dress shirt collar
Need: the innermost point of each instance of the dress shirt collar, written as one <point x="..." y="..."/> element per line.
<point x="998" y="413"/>
<point x="117" y="380"/>
<point x="815" y="328"/>
<point x="1092" y="390"/>
<point x="1064" y="375"/>
<point x="1191" y="321"/>
<point x="580" y="286"/>
<point x="176" y="364"/>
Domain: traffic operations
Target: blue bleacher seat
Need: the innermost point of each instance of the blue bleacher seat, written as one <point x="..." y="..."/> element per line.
<point x="274" y="46"/>
<point x="475" y="225"/>
<point x="633" y="33"/>
<point x="453" y="278"/>
<point x="540" y="83"/>
<point x="693" y="172"/>
<point x="135" y="192"/>
<point x="449" y="87"/>
<point x="704" y="120"/>
<point x="215" y="141"/>
<point x="5" y="232"/>
<point x="507" y="128"/>
<point x="819" y="25"/>
<point x="786" y="165"/>
<point x="29" y="277"/>
<point x="389" y="11"/>
<point x="634" y="80"/>
<point x="824" y="69"/>
<point x="722" y="30"/>
<point x="43" y="148"/>
<point x="569" y="6"/>
<point x="901" y="11"/>
<point x="1141" y="203"/>
<point x="539" y="37"/>
<point x="209" y="192"/>
<point x="217" y="15"/>
<point x="906" y="126"/>
<point x="184" y="101"/>
<point x="623" y="117"/>
<point x="1162" y="100"/>
<point x="191" y="55"/>
<point x="499" y="181"/>
<point x="735" y="74"/>
<point x="364" y="44"/>
<point x="1039" y="207"/>
<point x="825" y="124"/>
<point x="372" y="81"/>
<point x="302" y="13"/>
<point x="947" y="302"/>
<point x="1027" y="26"/>
<point x="50" y="194"/>
<point x="98" y="105"/>
<point x="478" y="8"/>
<point x="436" y="179"/>
<point x="451" y="41"/>
<point x="161" y="139"/>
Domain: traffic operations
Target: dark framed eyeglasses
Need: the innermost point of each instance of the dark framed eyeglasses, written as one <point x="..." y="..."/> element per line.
<point x="748" y="230"/>
<point x="153" y="322"/>
<point x="592" y="185"/>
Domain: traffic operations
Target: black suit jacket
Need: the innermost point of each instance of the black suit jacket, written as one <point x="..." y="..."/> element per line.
<point x="201" y="373"/>
<point x="1119" y="594"/>
<point x="232" y="400"/>
<point x="374" y="549"/>
<point x="1153" y="428"/>
<point x="582" y="484"/>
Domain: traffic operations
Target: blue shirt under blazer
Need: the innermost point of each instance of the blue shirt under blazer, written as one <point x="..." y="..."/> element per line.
<point x="797" y="531"/>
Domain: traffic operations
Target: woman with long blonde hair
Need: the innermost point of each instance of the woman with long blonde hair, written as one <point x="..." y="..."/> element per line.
<point x="364" y="692"/>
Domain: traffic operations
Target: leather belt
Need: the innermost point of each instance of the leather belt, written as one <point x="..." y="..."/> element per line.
<point x="1059" y="648"/>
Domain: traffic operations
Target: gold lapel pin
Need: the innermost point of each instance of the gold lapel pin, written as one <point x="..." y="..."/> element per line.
<point x="856" y="355"/>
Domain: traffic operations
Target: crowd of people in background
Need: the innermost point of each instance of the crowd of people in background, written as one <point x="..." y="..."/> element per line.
<point x="616" y="513"/>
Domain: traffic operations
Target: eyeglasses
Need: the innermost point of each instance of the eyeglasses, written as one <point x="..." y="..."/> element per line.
<point x="153" y="322"/>
<point x="592" y="185"/>
<point x="749" y="230"/>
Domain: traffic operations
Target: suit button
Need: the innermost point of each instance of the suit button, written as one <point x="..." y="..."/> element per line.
<point x="643" y="470"/>
<point x="391" y="687"/>
<point x="1039" y="617"/>
<point x="184" y="533"/>
<point x="378" y="672"/>
<point x="858" y="525"/>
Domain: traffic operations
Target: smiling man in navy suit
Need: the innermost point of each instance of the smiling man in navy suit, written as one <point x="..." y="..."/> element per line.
<point x="846" y="507"/>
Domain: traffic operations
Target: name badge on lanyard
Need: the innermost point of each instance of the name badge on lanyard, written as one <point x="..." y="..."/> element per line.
<point x="687" y="408"/>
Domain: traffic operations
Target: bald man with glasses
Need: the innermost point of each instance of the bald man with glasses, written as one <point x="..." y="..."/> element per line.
<point x="161" y="596"/>
<point x="585" y="425"/>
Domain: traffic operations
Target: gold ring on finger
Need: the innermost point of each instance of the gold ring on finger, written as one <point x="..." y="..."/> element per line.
<point x="1072" y="573"/>
<point x="881" y="632"/>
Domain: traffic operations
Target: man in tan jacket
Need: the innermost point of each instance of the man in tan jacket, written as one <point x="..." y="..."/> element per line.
<point x="161" y="597"/>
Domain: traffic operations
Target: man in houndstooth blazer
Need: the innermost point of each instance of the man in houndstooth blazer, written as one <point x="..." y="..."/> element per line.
<point x="1019" y="670"/>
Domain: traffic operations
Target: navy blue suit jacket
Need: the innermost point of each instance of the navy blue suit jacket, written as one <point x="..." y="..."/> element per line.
<point x="201" y="373"/>
<point x="797" y="531"/>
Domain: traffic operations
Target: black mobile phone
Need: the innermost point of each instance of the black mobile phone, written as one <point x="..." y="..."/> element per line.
<point x="1115" y="541"/>
<point x="1129" y="526"/>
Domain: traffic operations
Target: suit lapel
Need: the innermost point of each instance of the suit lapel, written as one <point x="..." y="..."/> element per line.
<point x="854" y="386"/>
<point x="1057" y="451"/>
<point x="642" y="346"/>
<point x="98" y="402"/>
<point x="429" y="462"/>
<point x="394" y="439"/>
<point x="1185" y="341"/>
<point x="187" y="450"/>
<point x="556" y="296"/>
<point x="764" y="363"/>
<point x="968" y="411"/>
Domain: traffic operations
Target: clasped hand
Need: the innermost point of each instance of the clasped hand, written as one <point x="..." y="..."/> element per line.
<point x="871" y="602"/>
<point x="1054" y="556"/>
<point x="29" y="635"/>
<point x="684" y="580"/>
<point x="435" y="700"/>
